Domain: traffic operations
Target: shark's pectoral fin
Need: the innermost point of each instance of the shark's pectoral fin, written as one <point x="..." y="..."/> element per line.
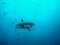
<point x="28" y="29"/>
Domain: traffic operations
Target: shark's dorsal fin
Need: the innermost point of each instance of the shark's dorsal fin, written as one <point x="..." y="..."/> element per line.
<point x="22" y="20"/>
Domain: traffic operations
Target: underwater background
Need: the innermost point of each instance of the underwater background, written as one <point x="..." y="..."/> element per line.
<point x="45" y="14"/>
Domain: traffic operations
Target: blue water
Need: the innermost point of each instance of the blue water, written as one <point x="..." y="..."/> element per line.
<point x="45" y="14"/>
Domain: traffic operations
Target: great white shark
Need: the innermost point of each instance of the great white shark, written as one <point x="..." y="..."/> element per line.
<point x="25" y="25"/>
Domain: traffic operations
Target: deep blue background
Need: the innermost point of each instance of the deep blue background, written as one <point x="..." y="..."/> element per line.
<point x="45" y="14"/>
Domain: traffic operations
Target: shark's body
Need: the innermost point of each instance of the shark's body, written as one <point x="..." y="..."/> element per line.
<point x="25" y="25"/>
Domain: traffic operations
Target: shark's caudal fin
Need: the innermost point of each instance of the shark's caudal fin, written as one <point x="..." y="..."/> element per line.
<point x="28" y="29"/>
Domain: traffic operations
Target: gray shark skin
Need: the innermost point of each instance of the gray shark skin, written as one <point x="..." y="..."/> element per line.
<point x="25" y="25"/>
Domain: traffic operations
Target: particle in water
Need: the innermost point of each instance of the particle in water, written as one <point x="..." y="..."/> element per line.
<point x="44" y="27"/>
<point x="2" y="42"/>
<point x="8" y="30"/>
<point x="13" y="22"/>
<point x="15" y="19"/>
<point x="17" y="34"/>
<point x="2" y="30"/>
<point x="4" y="14"/>
<point x="17" y="38"/>
<point x="14" y="12"/>
<point x="4" y="3"/>
<point x="38" y="4"/>
<point x="17" y="6"/>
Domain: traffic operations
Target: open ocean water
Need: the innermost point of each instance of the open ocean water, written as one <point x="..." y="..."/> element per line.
<point x="45" y="14"/>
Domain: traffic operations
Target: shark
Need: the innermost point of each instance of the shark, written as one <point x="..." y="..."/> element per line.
<point x="25" y="25"/>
